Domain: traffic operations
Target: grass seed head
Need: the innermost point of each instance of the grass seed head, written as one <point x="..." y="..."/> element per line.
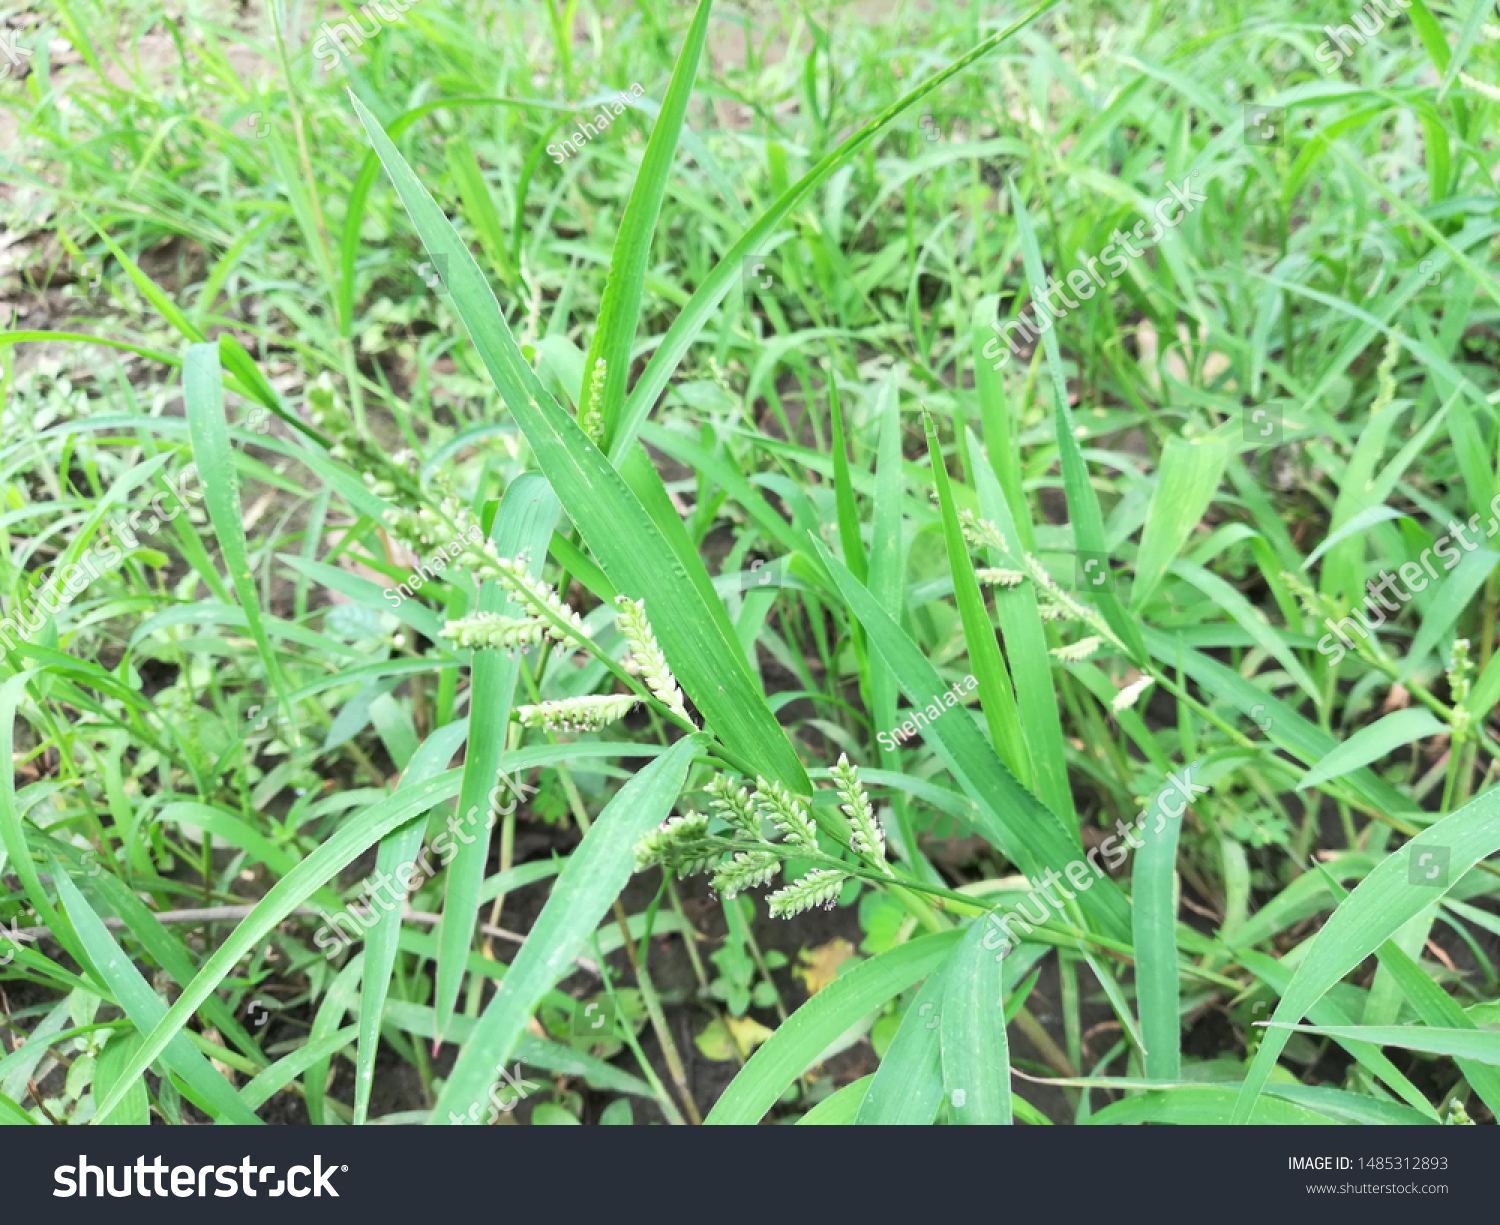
<point x="820" y="887"/>
<point x="587" y="714"/>
<point x="788" y="814"/>
<point x="648" y="655"/>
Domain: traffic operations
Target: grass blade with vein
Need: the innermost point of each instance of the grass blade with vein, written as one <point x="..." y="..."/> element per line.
<point x="976" y="1053"/>
<point x="620" y="307"/>
<point x="629" y="547"/>
<point x="996" y="698"/>
<point x="381" y="941"/>
<point x="1377" y="908"/>
<point x="346" y="845"/>
<point x="143" y="1006"/>
<point x="788" y="1052"/>
<point x="203" y="392"/>
<point x="527" y="515"/>
<point x="908" y="1084"/>
<point x="595" y="874"/>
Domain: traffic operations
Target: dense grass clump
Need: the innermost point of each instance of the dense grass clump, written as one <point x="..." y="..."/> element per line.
<point x="562" y="535"/>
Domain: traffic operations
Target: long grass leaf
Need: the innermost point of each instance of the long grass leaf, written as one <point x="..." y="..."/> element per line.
<point x="1389" y="896"/>
<point x="620" y="306"/>
<point x="975" y="1051"/>
<point x="1373" y="743"/>
<point x="1437" y="1008"/>
<point x="203" y="392"/>
<point x="144" y="1007"/>
<point x="381" y="941"/>
<point x="1083" y="504"/>
<point x="629" y="547"/>
<point x="524" y="522"/>
<point x="1009" y="816"/>
<point x="1185" y="484"/>
<point x="908" y="1085"/>
<point x="794" y="1046"/>
<point x="335" y="854"/>
<point x="1154" y="925"/>
<point x="1031" y="665"/>
<point x="996" y="698"/>
<point x="596" y="873"/>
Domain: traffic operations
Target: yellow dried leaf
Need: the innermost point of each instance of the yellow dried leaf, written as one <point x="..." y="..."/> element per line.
<point x="720" y="1039"/>
<point x="821" y="965"/>
<point x="748" y="1033"/>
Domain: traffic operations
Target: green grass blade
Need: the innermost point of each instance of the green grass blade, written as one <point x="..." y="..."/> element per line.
<point x="726" y="274"/>
<point x="479" y="208"/>
<point x="1083" y="505"/>
<point x="840" y="1108"/>
<point x="1438" y="1009"/>
<point x="1250" y="619"/>
<point x="135" y="1109"/>
<point x="629" y="547"/>
<point x="1340" y="1106"/>
<point x="1185" y="484"/>
<point x="527" y="515"/>
<point x="1377" y="908"/>
<point x="1026" y="647"/>
<point x="994" y="412"/>
<point x="12" y="1114"/>
<point x="1373" y="743"/>
<point x="596" y="873"/>
<point x="416" y="1019"/>
<point x="152" y="292"/>
<point x="1286" y="728"/>
<point x="203" y="392"/>
<point x="1327" y="1011"/>
<point x="888" y="587"/>
<point x="164" y="947"/>
<point x="1154" y="925"/>
<point x="908" y="1085"/>
<point x="996" y="697"/>
<point x="381" y="941"/>
<point x="843" y="488"/>
<point x="1008" y="816"/>
<point x="337" y="853"/>
<point x="1203" y="1105"/>
<point x="280" y="1074"/>
<point x="1468" y="36"/>
<point x="975" y="1051"/>
<point x="144" y="1007"/>
<point x="795" y="1046"/>
<point x="1359" y="525"/>
<point x="1448" y="602"/>
<point x="12" y="833"/>
<point x="620" y="307"/>
<point x="1474" y="1044"/>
